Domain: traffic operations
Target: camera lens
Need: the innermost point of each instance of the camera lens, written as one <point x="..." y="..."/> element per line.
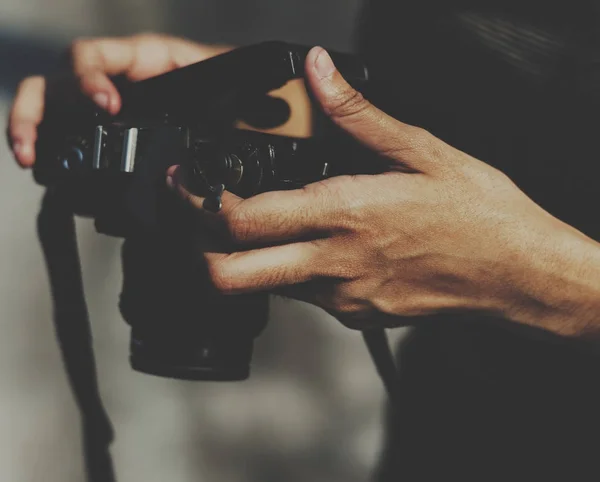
<point x="180" y="326"/>
<point x="190" y="353"/>
<point x="198" y="349"/>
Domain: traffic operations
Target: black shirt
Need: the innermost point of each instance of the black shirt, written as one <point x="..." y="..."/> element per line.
<point x="515" y="83"/>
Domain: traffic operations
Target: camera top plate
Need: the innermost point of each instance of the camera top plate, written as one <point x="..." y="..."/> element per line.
<point x="256" y="69"/>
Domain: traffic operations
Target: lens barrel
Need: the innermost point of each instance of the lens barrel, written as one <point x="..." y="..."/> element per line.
<point x="181" y="327"/>
<point x="203" y="358"/>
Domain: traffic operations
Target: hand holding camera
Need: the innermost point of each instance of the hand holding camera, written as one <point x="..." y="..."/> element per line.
<point x="92" y="64"/>
<point x="111" y="165"/>
<point x="409" y="233"/>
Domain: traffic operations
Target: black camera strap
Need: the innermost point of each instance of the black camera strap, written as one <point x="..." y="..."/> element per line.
<point x="56" y="231"/>
<point x="57" y="234"/>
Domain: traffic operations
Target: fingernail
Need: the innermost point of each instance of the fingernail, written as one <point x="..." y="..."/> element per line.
<point x="324" y="64"/>
<point x="17" y="147"/>
<point x="25" y="150"/>
<point x="170" y="182"/>
<point x="101" y="99"/>
<point x="114" y="105"/>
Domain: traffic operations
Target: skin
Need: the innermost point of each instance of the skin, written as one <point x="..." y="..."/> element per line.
<point x="93" y="61"/>
<point x="440" y="232"/>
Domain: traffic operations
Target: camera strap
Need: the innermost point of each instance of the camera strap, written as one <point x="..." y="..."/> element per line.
<point x="57" y="235"/>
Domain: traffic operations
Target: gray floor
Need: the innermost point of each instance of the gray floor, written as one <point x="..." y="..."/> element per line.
<point x="312" y="410"/>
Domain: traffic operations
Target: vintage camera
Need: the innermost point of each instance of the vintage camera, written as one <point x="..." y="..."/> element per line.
<point x="113" y="169"/>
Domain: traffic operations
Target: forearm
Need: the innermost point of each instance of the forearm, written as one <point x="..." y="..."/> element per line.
<point x="559" y="285"/>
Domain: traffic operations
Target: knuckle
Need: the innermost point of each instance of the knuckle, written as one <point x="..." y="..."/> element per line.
<point x="219" y="277"/>
<point x="420" y="135"/>
<point x="334" y="195"/>
<point x="420" y="139"/>
<point x="385" y="305"/>
<point x="347" y="269"/>
<point x="415" y="142"/>
<point x="239" y="226"/>
<point x="87" y="83"/>
<point x="80" y="53"/>
<point x="79" y="47"/>
<point x="340" y="301"/>
<point x="348" y="103"/>
<point x="350" y="303"/>
<point x="236" y="223"/>
<point x="92" y="81"/>
<point x="357" y="291"/>
<point x="430" y="145"/>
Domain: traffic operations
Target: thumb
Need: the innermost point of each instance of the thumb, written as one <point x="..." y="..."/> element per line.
<point x="411" y="147"/>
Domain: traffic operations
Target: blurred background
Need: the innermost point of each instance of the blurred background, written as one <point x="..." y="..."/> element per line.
<point x="313" y="408"/>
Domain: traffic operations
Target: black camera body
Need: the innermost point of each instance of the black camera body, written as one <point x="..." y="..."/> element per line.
<point x="113" y="169"/>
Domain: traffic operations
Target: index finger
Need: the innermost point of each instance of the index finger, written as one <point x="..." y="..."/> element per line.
<point x="138" y="57"/>
<point x="113" y="56"/>
<point x="268" y="217"/>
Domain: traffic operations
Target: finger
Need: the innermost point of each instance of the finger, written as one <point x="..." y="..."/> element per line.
<point x="25" y="116"/>
<point x="408" y="145"/>
<point x="265" y="269"/>
<point x="94" y="60"/>
<point x="112" y="56"/>
<point x="98" y="87"/>
<point x="137" y="57"/>
<point x="268" y="217"/>
<point x="179" y="182"/>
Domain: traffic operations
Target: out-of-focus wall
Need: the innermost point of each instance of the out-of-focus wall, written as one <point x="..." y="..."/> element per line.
<point x="330" y="22"/>
<point x="312" y="408"/>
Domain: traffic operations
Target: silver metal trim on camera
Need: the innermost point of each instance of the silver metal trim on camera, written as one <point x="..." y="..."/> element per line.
<point x="129" y="148"/>
<point x="102" y="139"/>
<point x="98" y="143"/>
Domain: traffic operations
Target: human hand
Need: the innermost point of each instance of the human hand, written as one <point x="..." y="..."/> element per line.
<point x="440" y="232"/>
<point x="93" y="61"/>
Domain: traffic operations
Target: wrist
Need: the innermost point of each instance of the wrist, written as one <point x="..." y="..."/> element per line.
<point x="557" y="278"/>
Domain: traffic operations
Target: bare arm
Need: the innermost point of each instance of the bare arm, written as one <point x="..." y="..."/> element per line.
<point x="559" y="285"/>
